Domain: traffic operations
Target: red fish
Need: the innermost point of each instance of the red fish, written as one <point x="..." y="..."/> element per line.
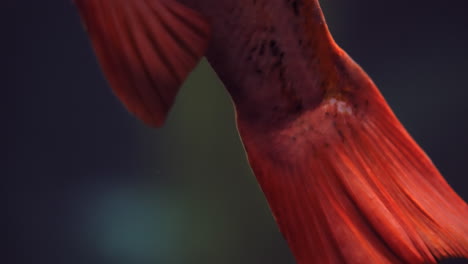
<point x="345" y="181"/>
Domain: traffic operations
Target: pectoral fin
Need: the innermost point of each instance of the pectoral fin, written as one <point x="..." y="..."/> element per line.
<point x="146" y="49"/>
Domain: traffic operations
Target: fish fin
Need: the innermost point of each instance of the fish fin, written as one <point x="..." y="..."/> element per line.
<point x="146" y="49"/>
<point x="347" y="184"/>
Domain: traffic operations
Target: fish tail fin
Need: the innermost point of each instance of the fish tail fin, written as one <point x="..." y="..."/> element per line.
<point x="347" y="183"/>
<point x="392" y="183"/>
<point x="146" y="49"/>
<point x="407" y="186"/>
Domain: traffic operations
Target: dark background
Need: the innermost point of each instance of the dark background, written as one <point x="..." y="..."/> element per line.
<point x="87" y="183"/>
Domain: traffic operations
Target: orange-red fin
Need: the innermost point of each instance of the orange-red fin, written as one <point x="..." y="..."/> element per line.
<point x="146" y="49"/>
<point x="347" y="184"/>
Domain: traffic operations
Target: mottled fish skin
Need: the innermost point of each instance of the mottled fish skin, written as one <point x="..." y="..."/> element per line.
<point x="268" y="53"/>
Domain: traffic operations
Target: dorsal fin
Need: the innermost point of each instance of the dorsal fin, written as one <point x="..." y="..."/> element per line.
<point x="146" y="49"/>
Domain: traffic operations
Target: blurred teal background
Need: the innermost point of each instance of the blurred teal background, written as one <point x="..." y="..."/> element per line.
<point x="85" y="182"/>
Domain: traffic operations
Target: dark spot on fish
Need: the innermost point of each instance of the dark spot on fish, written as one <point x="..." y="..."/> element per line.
<point x="342" y="68"/>
<point x="340" y="133"/>
<point x="262" y="48"/>
<point x="323" y="83"/>
<point x="295" y="4"/>
<point x="275" y="51"/>
<point x="282" y="78"/>
<point x="251" y="52"/>
<point x="299" y="106"/>
<point x="296" y="8"/>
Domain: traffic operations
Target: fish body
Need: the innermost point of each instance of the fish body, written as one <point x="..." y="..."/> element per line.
<point x="344" y="180"/>
<point x="266" y="49"/>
